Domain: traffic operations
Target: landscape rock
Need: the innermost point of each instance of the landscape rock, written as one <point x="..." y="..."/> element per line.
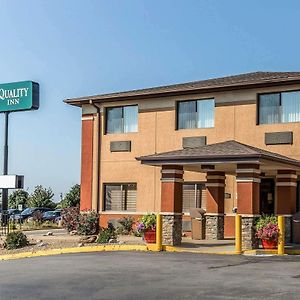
<point x="112" y="241"/>
<point x="73" y="232"/>
<point x="88" y="239"/>
<point x="41" y="244"/>
<point x="48" y="233"/>
<point x="2" y="243"/>
<point x="80" y="245"/>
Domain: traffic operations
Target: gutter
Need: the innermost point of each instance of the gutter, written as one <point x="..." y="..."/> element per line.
<point x="228" y="159"/>
<point x="95" y="182"/>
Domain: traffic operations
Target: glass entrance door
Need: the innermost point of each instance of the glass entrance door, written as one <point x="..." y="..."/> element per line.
<point x="267" y="196"/>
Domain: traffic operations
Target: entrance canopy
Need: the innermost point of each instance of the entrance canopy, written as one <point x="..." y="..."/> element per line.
<point x="224" y="156"/>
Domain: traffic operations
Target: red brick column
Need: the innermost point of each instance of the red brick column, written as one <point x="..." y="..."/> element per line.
<point x="215" y="187"/>
<point x="286" y="193"/>
<point x="248" y="203"/>
<point x="86" y="162"/>
<point x="171" y="204"/>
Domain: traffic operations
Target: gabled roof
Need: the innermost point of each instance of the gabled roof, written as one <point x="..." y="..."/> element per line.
<point x="254" y="79"/>
<point x="224" y="151"/>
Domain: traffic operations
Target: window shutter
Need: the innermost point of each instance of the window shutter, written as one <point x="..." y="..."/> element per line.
<point x="131" y="200"/>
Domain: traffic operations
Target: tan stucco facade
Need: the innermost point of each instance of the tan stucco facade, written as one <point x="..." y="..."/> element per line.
<point x="235" y="119"/>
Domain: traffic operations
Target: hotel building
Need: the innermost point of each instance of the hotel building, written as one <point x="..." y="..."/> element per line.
<point x="225" y="145"/>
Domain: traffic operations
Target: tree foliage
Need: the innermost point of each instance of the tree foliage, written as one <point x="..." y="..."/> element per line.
<point x="72" y="198"/>
<point x="42" y="197"/>
<point x="18" y="197"/>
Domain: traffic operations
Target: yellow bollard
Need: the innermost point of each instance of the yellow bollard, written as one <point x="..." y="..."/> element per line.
<point x="281" y="242"/>
<point x="158" y="232"/>
<point x="238" y="234"/>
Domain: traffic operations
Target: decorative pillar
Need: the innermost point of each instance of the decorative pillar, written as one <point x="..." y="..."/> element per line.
<point x="86" y="162"/>
<point x="286" y="192"/>
<point x="248" y="203"/>
<point x="171" y="204"/>
<point x="215" y="187"/>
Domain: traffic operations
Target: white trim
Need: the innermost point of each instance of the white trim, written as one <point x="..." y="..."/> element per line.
<point x="171" y="171"/>
<point x="214" y="184"/>
<point x="83" y="118"/>
<point x="170" y="214"/>
<point x="287" y="216"/>
<point x="215" y="177"/>
<point x="286" y="183"/>
<point x="214" y="214"/>
<point x="125" y="212"/>
<point x="294" y="176"/>
<point x="257" y="171"/>
<point x="248" y="179"/>
<point x="171" y="180"/>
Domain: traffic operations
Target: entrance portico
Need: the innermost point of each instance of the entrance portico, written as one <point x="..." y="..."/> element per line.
<point x="248" y="164"/>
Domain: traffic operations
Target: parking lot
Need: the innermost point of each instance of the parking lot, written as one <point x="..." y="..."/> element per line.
<point x="137" y="275"/>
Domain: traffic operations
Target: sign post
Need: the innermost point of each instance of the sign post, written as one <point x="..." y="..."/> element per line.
<point x="16" y="96"/>
<point x="5" y="168"/>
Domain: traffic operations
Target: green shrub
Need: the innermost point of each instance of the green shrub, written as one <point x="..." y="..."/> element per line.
<point x="106" y="234"/>
<point x="126" y="224"/>
<point x="88" y="223"/>
<point x="70" y="218"/>
<point x="84" y="222"/>
<point x="15" y="240"/>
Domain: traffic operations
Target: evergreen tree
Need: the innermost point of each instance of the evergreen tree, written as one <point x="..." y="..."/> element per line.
<point x="42" y="197"/>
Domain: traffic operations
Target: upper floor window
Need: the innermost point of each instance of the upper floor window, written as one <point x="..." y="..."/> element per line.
<point x="279" y="107"/>
<point x="196" y="114"/>
<point x="122" y="119"/>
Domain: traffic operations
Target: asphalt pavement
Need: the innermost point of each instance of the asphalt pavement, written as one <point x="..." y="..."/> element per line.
<point x="144" y="275"/>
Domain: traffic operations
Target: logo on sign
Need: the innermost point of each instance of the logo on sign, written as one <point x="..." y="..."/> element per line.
<point x="13" y="96"/>
<point x="18" y="96"/>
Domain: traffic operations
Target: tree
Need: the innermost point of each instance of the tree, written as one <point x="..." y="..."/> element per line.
<point x="42" y="197"/>
<point x="18" y="197"/>
<point x="72" y="198"/>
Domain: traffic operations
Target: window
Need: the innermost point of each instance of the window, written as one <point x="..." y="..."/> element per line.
<point x="120" y="197"/>
<point x="279" y="107"/>
<point x="122" y="119"/>
<point x="193" y="196"/>
<point x="196" y="114"/>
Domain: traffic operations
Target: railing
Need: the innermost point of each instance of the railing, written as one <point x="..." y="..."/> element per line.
<point x="8" y="224"/>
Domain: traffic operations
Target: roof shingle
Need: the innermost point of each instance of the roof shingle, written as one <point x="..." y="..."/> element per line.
<point x="234" y="81"/>
<point x="224" y="150"/>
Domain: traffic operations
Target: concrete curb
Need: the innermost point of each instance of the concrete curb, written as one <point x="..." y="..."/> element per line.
<point x="149" y="247"/>
<point x="74" y="250"/>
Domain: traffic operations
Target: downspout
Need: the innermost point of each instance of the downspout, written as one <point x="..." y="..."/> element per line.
<point x="96" y="180"/>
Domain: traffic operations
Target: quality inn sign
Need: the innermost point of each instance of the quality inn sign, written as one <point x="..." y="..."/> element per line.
<point x="18" y="96"/>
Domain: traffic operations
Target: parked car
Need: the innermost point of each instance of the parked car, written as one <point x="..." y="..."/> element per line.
<point x="51" y="215"/>
<point x="13" y="213"/>
<point x="29" y="212"/>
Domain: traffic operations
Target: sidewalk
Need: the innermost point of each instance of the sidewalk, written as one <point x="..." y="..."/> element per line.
<point x="60" y="242"/>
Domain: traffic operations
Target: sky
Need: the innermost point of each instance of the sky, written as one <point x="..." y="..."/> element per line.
<point x="77" y="48"/>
